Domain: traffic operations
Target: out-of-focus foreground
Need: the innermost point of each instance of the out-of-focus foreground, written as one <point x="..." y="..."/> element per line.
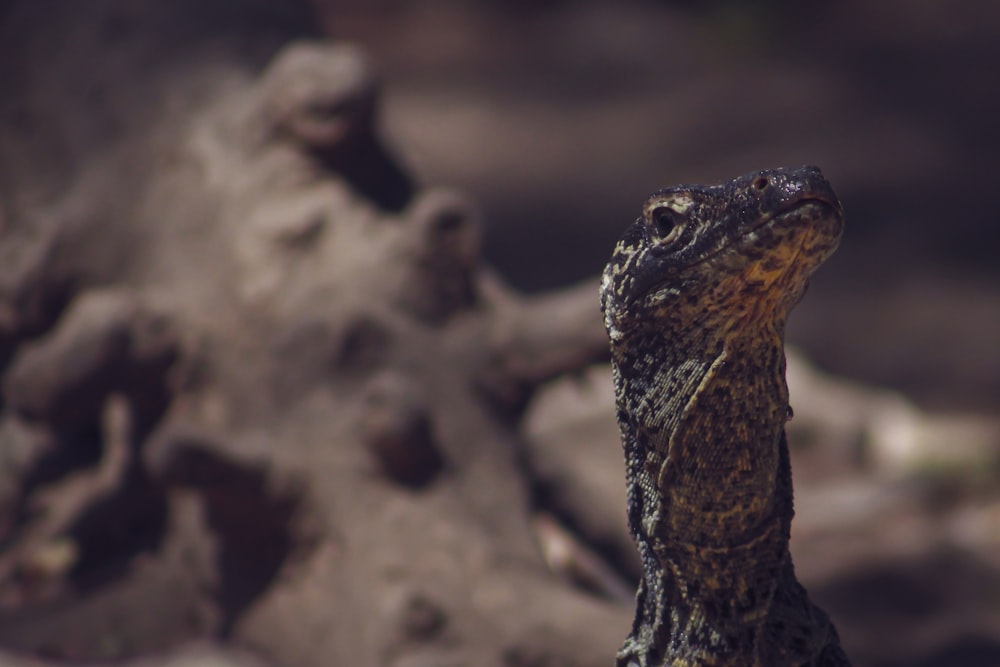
<point x="265" y="403"/>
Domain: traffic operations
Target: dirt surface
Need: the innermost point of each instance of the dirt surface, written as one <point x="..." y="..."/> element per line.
<point x="266" y="401"/>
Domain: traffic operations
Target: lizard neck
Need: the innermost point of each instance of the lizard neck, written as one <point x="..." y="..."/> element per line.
<point x="709" y="495"/>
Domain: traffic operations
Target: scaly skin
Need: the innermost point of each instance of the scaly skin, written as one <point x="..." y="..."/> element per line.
<point x="695" y="300"/>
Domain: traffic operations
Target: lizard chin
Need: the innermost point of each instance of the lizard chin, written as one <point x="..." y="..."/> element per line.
<point x="791" y="246"/>
<point x="763" y="274"/>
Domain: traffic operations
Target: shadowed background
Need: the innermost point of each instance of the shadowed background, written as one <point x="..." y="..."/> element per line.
<point x="562" y="117"/>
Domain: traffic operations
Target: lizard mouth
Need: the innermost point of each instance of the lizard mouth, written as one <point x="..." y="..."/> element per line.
<point x="812" y="208"/>
<point x="822" y="206"/>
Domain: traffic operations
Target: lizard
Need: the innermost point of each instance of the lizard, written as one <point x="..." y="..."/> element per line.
<point x="695" y="298"/>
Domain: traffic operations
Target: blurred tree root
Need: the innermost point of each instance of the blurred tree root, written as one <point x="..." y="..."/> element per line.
<point x="259" y="390"/>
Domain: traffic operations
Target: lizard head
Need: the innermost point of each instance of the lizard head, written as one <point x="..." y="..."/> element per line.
<point x="714" y="259"/>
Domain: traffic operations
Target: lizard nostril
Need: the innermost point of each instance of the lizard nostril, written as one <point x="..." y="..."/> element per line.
<point x="761" y="182"/>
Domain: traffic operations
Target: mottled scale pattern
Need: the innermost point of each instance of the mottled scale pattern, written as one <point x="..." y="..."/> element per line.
<point x="695" y="300"/>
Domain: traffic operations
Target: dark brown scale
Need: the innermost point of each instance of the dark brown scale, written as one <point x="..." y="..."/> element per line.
<point x="697" y="340"/>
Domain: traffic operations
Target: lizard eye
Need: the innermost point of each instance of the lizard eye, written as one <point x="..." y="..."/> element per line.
<point x="666" y="223"/>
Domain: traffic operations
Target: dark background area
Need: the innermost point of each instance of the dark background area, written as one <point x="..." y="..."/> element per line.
<point x="561" y="117"/>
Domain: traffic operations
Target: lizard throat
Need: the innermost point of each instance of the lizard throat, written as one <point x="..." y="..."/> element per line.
<point x="707" y="481"/>
<point x="704" y="449"/>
